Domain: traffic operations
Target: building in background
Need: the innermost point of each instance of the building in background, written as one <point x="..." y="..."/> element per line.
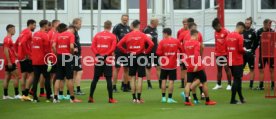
<point x="235" y="10"/>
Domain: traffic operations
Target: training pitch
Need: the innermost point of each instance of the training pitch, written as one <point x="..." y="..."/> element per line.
<point x="257" y="107"/>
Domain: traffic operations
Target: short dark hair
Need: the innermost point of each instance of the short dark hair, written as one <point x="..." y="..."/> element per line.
<point x="191" y="20"/>
<point x="167" y="31"/>
<point x="135" y="23"/>
<point x="43" y="23"/>
<point x="30" y="22"/>
<point x="55" y="21"/>
<point x="267" y="21"/>
<point x="193" y="32"/>
<point x="215" y="22"/>
<point x="240" y="24"/>
<point x="9" y="26"/>
<point x="107" y="24"/>
<point x="61" y="27"/>
<point x="192" y="24"/>
<point x="124" y="15"/>
<point x="250" y="19"/>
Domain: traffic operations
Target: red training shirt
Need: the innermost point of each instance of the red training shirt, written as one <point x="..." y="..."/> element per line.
<point x="220" y="39"/>
<point x="23" y="44"/>
<point x="188" y="37"/>
<point x="234" y="45"/>
<point x="63" y="41"/>
<point x="104" y="43"/>
<point x="169" y="48"/>
<point x="193" y="58"/>
<point x="8" y="43"/>
<point x="40" y="47"/>
<point x="135" y="43"/>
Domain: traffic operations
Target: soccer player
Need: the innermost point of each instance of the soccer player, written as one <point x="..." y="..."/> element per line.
<point x="195" y="69"/>
<point x="10" y="65"/>
<point x="235" y="52"/>
<point x="168" y="48"/>
<point x="120" y="30"/>
<point x="77" y="22"/>
<point x="40" y="48"/>
<point x="263" y="61"/>
<point x="221" y="54"/>
<point x="63" y="46"/>
<point x="181" y="34"/>
<point x="152" y="57"/>
<point x="193" y="26"/>
<point x="135" y="47"/>
<point x="23" y="48"/>
<point x="103" y="45"/>
<point x="250" y="42"/>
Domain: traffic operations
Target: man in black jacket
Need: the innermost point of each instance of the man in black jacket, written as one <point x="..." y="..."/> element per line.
<point x="250" y="43"/>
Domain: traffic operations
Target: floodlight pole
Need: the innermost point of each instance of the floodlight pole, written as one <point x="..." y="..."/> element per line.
<point x="56" y="9"/>
<point x="203" y="19"/>
<point x="99" y="15"/>
<point x="172" y="16"/>
<point x="44" y="9"/>
<point x="91" y="17"/>
<point x="20" y="15"/>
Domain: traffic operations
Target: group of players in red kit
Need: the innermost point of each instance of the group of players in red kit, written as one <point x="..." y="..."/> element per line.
<point x="132" y="46"/>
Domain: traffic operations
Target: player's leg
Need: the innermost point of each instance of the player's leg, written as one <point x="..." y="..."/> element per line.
<point x="134" y="87"/>
<point x="163" y="77"/>
<point x="172" y="78"/>
<point x="42" y="86"/>
<point x="115" y="74"/>
<point x="190" y="79"/>
<point x="98" y="71"/>
<point x="203" y="80"/>
<point x="78" y="82"/>
<point x="108" y="76"/>
<point x="272" y="73"/>
<point x="78" y="74"/>
<point x="126" y="87"/>
<point x="183" y="75"/>
<point x="47" y="77"/>
<point x="6" y="85"/>
<point x="219" y="77"/>
<point x="262" y="63"/>
<point x="141" y="70"/>
<point x="15" y="75"/>
<point x="148" y="76"/>
<point x="251" y="64"/>
<point x="229" y="77"/>
<point x="37" y="74"/>
<point x="234" y="87"/>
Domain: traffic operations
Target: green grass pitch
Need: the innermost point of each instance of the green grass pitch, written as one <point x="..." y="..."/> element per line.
<point x="257" y="106"/>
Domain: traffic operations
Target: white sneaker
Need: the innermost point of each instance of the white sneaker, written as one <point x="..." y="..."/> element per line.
<point x="56" y="101"/>
<point x="217" y="87"/>
<point x="17" y="97"/>
<point x="229" y="87"/>
<point x="7" y="98"/>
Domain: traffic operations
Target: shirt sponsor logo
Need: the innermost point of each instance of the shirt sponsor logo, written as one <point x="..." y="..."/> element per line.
<point x="102" y="46"/>
<point x="36" y="47"/>
<point x="231" y="48"/>
<point x="134" y="47"/>
<point x="62" y="46"/>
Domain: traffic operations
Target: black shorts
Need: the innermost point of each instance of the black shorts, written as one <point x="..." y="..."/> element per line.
<point x="104" y="69"/>
<point x="41" y="69"/>
<point x="264" y="61"/>
<point x="121" y="59"/>
<point x="77" y="63"/>
<point x="26" y="66"/>
<point x="220" y="60"/>
<point x="183" y="66"/>
<point x="13" y="68"/>
<point x="201" y="75"/>
<point x="64" y="69"/>
<point x="135" y="68"/>
<point x="168" y="73"/>
<point x="152" y="61"/>
<point x="249" y="59"/>
<point x="54" y="69"/>
<point x="237" y="71"/>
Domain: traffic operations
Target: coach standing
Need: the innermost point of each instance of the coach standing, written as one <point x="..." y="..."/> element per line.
<point x="120" y="30"/>
<point x="77" y="52"/>
<point x="152" y="31"/>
